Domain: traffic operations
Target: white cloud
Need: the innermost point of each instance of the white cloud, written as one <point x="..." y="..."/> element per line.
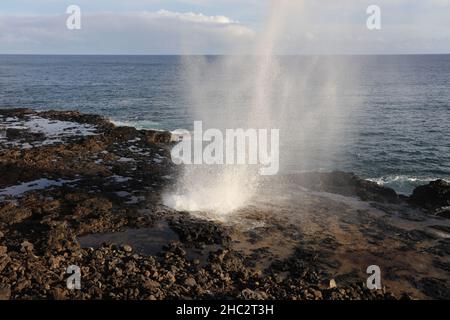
<point x="325" y="26"/>
<point x="160" y="32"/>
<point x="196" y="17"/>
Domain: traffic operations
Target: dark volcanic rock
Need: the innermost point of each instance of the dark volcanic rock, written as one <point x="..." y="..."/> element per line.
<point x="347" y="184"/>
<point x="111" y="181"/>
<point x="154" y="136"/>
<point x="443" y="212"/>
<point x="191" y="230"/>
<point x="11" y="213"/>
<point x="436" y="288"/>
<point x="16" y="112"/>
<point x="78" y="117"/>
<point x="432" y="196"/>
<point x="5" y="293"/>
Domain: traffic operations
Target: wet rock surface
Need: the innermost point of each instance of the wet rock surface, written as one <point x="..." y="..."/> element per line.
<point x="67" y="178"/>
<point x="435" y="197"/>
<point x="347" y="184"/>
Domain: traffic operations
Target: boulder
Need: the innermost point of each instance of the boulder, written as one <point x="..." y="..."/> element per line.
<point x="347" y="184"/>
<point x="432" y="196"/>
<point x="157" y="137"/>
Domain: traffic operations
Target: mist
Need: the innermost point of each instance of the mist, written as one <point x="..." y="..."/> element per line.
<point x="299" y="95"/>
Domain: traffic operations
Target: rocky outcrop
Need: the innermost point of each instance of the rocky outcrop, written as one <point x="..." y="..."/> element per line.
<point x="434" y="195"/>
<point x="347" y="184"/>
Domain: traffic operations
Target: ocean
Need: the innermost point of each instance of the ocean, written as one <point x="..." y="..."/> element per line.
<point x="397" y="133"/>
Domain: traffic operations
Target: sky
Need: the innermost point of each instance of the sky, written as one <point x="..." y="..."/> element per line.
<point x="224" y="27"/>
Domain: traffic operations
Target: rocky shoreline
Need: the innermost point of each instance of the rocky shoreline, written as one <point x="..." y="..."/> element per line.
<point x="77" y="190"/>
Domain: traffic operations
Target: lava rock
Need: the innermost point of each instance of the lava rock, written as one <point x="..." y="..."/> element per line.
<point x="5" y="293"/>
<point x="438" y="288"/>
<point x="41" y="230"/>
<point x="10" y="213"/>
<point x="153" y="136"/>
<point x="432" y="196"/>
<point x="249" y="294"/>
<point x="26" y="246"/>
<point x="347" y="184"/>
<point x="127" y="248"/>
<point x="190" y="282"/>
<point x="443" y="212"/>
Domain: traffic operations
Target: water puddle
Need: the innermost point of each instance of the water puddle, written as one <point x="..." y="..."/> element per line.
<point x="40" y="184"/>
<point x="52" y="130"/>
<point x="146" y="241"/>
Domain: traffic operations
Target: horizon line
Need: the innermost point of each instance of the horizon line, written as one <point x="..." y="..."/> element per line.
<point x="221" y="54"/>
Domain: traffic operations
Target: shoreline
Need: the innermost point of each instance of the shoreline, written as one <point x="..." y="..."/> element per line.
<point x="72" y="176"/>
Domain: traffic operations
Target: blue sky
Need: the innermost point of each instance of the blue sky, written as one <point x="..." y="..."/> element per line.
<point x="223" y="26"/>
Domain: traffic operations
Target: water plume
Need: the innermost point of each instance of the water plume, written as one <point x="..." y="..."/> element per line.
<point x="213" y="192"/>
<point x="262" y="91"/>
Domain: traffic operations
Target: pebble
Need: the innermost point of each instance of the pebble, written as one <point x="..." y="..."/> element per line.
<point x="26" y="246"/>
<point x="332" y="284"/>
<point x="127" y="248"/>
<point x="151" y="285"/>
<point x="190" y="282"/>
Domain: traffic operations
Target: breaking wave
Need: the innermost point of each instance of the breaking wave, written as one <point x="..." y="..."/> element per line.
<point x="403" y="184"/>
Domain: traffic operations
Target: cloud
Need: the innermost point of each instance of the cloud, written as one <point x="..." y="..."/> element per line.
<point x="326" y="26"/>
<point x="195" y="17"/>
<point x="159" y="32"/>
